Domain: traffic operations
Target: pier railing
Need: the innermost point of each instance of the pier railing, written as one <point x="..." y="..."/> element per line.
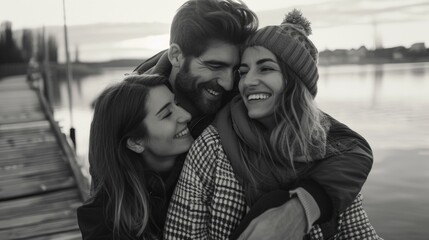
<point x="42" y="82"/>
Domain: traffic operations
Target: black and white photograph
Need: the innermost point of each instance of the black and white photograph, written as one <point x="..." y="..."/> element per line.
<point x="214" y="119"/>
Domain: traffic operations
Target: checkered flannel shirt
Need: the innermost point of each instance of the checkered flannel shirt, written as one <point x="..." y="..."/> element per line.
<point x="209" y="202"/>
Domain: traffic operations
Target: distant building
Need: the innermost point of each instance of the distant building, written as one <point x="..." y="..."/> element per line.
<point x="358" y="55"/>
<point x="418" y="47"/>
<point x="337" y="56"/>
<point x="362" y="51"/>
<point x="417" y="52"/>
<point x="398" y="55"/>
<point x="389" y="53"/>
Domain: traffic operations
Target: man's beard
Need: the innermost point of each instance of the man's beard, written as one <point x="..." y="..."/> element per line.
<point x="186" y="88"/>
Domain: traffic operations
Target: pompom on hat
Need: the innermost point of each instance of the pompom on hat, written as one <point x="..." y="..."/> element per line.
<point x="289" y="41"/>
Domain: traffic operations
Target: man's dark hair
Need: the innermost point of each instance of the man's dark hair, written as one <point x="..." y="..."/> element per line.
<point x="197" y="22"/>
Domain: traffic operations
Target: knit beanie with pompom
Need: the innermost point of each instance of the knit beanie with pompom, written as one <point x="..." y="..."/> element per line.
<point x="289" y="41"/>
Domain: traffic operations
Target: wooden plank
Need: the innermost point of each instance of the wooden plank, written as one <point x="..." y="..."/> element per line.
<point x="24" y="139"/>
<point x="43" y="208"/>
<point x="71" y="235"/>
<point x="25" y="171"/>
<point x="26" y="168"/>
<point x="38" y="192"/>
<point x="36" y="187"/>
<point x="23" y="221"/>
<point x="22" y="133"/>
<point x="25" y="132"/>
<point x="21" y="119"/>
<point x="6" y="139"/>
<point x="36" y="180"/>
<point x="12" y="143"/>
<point x="32" y="147"/>
<point x="17" y="156"/>
<point x="12" y="161"/>
<point x="45" y="199"/>
<point x="40" y="229"/>
<point x="34" y="177"/>
<point x="34" y="124"/>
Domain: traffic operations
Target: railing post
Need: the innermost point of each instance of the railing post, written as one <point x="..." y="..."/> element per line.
<point x="69" y="78"/>
<point x="47" y="79"/>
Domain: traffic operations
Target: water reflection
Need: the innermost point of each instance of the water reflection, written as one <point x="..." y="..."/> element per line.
<point x="378" y="80"/>
<point x="388" y="105"/>
<point x="56" y="89"/>
<point x="78" y="81"/>
<point x="418" y="71"/>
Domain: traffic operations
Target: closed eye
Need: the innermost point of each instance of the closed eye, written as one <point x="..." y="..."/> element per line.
<point x="213" y="64"/>
<point x="215" y="67"/>
<point x="167" y="115"/>
<point x="266" y="68"/>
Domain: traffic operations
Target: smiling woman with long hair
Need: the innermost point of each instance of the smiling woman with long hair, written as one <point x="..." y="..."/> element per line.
<point x="138" y="134"/>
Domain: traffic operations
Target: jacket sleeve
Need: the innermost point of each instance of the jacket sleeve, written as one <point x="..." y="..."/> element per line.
<point x="343" y="174"/>
<point x="354" y="222"/>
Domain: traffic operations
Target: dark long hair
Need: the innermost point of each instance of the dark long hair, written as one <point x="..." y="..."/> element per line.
<point x="300" y="132"/>
<point x="116" y="170"/>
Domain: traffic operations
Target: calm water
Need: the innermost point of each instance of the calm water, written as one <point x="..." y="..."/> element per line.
<point x="388" y="104"/>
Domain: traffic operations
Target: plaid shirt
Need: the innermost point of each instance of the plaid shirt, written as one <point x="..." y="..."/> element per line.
<point x="209" y="202"/>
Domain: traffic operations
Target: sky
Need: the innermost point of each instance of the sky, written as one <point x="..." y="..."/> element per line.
<point x="335" y="23"/>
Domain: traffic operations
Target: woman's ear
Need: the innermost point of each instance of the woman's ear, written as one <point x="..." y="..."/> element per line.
<point x="175" y="55"/>
<point x="135" y="145"/>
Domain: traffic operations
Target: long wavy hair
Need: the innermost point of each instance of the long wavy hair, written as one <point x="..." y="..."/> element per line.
<point x="300" y="132"/>
<point x="116" y="170"/>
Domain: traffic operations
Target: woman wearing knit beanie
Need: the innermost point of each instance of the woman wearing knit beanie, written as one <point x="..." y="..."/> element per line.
<point x="270" y="145"/>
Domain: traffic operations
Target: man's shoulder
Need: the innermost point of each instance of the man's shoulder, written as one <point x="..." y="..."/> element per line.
<point x="209" y="138"/>
<point x="207" y="156"/>
<point x="206" y="149"/>
<point x="149" y="65"/>
<point x="199" y="123"/>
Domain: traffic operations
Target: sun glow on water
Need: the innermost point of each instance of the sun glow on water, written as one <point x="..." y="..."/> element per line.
<point x="154" y="42"/>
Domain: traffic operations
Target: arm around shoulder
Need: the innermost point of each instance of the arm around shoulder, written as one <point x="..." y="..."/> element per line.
<point x="343" y="173"/>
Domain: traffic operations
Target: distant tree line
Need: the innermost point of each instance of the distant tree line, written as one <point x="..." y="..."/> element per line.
<point x="31" y="45"/>
<point x="416" y="53"/>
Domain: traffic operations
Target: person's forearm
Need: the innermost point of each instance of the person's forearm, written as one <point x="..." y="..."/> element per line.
<point x="311" y="209"/>
<point x="315" y="200"/>
<point x="343" y="173"/>
<point x="342" y="177"/>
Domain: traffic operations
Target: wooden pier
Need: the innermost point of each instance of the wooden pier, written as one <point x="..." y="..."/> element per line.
<point x="40" y="183"/>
